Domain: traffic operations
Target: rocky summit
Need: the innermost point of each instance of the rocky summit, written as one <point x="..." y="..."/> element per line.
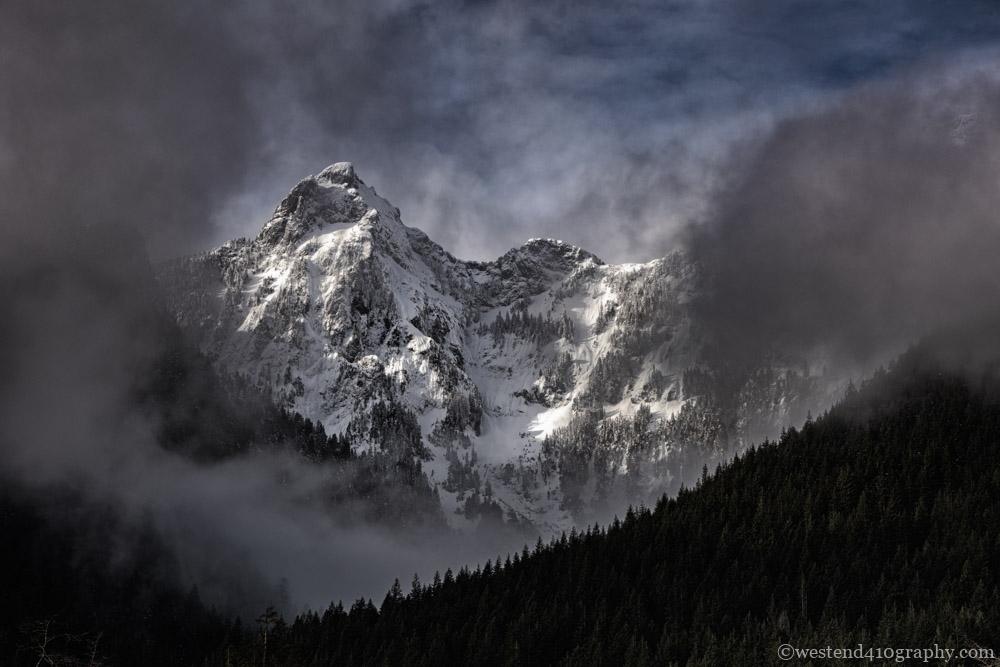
<point x="546" y="385"/>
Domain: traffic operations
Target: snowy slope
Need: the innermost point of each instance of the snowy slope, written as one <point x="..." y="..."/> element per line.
<point x="508" y="366"/>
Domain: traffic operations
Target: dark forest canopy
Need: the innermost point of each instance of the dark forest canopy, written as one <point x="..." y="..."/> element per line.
<point x="875" y="523"/>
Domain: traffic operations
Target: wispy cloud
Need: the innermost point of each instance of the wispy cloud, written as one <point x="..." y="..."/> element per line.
<point x="486" y="123"/>
<point x="489" y="123"/>
<point x="861" y="226"/>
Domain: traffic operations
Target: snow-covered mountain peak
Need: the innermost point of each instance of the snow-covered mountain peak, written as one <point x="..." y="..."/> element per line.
<point x="340" y="173"/>
<point x="335" y="197"/>
<point x="555" y="250"/>
<point x="545" y="374"/>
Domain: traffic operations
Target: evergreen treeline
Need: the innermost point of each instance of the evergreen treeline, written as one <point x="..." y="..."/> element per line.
<point x="878" y="523"/>
<point x="604" y="462"/>
<point x="537" y="327"/>
<point x="211" y="416"/>
<point x="80" y="586"/>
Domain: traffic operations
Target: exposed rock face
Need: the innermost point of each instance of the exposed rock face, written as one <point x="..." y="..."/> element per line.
<point x="511" y="368"/>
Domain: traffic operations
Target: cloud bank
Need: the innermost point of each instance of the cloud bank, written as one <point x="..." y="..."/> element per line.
<point x="857" y="228"/>
<point x="486" y="123"/>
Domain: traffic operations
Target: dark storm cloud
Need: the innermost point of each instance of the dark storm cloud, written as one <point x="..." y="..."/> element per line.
<point x="860" y="227"/>
<point x="487" y="123"/>
<point x="603" y="124"/>
<point x="127" y="112"/>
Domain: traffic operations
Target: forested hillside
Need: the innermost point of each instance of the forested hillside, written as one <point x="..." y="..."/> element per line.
<point x="878" y="522"/>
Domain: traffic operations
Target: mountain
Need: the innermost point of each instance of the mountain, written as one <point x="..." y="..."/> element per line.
<point x="876" y="524"/>
<point x="545" y="386"/>
<point x="93" y="571"/>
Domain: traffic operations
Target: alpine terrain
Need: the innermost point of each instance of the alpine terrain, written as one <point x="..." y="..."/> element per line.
<point x="545" y="387"/>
